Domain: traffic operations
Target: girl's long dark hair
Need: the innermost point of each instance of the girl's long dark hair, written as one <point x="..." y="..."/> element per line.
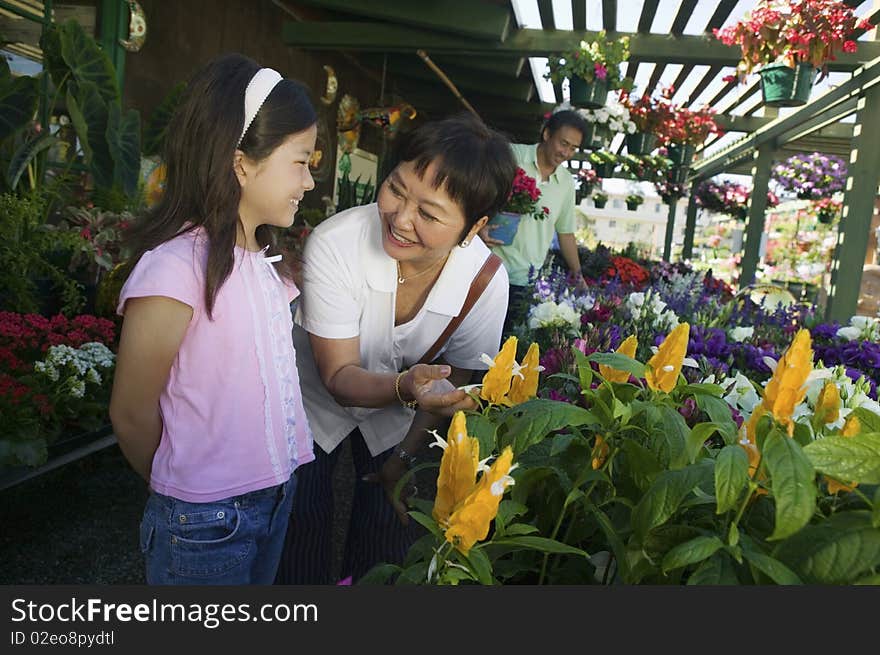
<point x="201" y="190"/>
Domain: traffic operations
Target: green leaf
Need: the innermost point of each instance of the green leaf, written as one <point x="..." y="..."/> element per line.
<point x="537" y="418"/>
<point x="717" y="570"/>
<point x="838" y="550"/>
<point x="124" y="140"/>
<point x="697" y="437"/>
<point x="691" y="552"/>
<point x="18" y="103"/>
<point x="480" y="565"/>
<point x="731" y="477"/>
<point x="719" y="412"/>
<point x="427" y="522"/>
<point x="25" y="155"/>
<point x="869" y="420"/>
<point x="509" y="509"/>
<point x="585" y="371"/>
<point x="613" y="539"/>
<point x="157" y="127"/>
<point x="379" y="574"/>
<point x="90" y="115"/>
<point x="540" y="543"/>
<point x="643" y="464"/>
<point x="561" y="442"/>
<point x="663" y="498"/>
<point x="675" y="433"/>
<point x="518" y="529"/>
<point x="702" y="388"/>
<point x="484" y="430"/>
<point x="792" y="480"/>
<point x="619" y="362"/>
<point x="875" y="514"/>
<point x="771" y="567"/>
<point x="87" y="61"/>
<point x="848" y="459"/>
<point x="872" y="580"/>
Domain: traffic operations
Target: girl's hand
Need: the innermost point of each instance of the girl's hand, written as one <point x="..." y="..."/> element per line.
<point x="428" y="386"/>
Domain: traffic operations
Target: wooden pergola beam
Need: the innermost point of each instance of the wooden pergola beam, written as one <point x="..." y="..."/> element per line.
<point x="545" y="9"/>
<point x="579" y="14"/>
<point x="722" y="12"/>
<point x="609" y="15"/>
<point x="484" y="20"/>
<point x="489" y="84"/>
<point x="649" y="11"/>
<point x="682" y="17"/>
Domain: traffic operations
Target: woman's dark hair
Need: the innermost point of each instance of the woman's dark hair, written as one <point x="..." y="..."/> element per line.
<point x="201" y="189"/>
<point x="473" y="162"/>
<point x="564" y="118"/>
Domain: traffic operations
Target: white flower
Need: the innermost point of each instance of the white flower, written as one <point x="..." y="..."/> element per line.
<point x="551" y="314"/>
<point x="740" y="393"/>
<point x="77" y="388"/>
<point x="849" y="333"/>
<point x="740" y="334"/>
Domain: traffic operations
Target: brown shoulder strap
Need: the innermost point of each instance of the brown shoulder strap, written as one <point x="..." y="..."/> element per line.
<point x="480" y="282"/>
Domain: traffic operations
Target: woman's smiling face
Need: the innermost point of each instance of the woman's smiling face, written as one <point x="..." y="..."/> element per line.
<point x="421" y="224"/>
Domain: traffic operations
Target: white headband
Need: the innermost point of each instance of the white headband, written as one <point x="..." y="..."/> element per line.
<point x="258" y="89"/>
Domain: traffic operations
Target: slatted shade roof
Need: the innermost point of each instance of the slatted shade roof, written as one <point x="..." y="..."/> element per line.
<point x="495" y="52"/>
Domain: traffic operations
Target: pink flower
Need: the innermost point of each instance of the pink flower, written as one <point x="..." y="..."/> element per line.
<point x="600" y="71"/>
<point x="849" y="46"/>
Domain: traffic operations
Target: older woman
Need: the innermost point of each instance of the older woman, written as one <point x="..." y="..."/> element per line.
<point x="381" y="284"/>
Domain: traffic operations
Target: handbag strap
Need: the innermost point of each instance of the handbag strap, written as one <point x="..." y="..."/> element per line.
<point x="478" y="285"/>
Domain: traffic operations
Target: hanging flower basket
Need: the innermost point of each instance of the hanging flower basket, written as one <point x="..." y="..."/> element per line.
<point x="826" y="217"/>
<point x="783" y="86"/>
<point x="583" y="192"/>
<point x="641" y="143"/>
<point x="589" y="95"/>
<point x="503" y="226"/>
<point x="632" y="206"/>
<point x="599" y="200"/>
<point x="678" y="174"/>
<point x="681" y="154"/>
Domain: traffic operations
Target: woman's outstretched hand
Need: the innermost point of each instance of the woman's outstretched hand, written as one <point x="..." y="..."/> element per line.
<point x="428" y="386"/>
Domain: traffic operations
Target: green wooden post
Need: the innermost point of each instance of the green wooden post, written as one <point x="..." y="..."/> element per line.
<point x="858" y="208"/>
<point x="114" y="26"/>
<point x="670" y="229"/>
<point x="757" y="208"/>
<point x="687" y="251"/>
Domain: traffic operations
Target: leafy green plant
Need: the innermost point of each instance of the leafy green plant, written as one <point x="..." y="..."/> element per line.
<point x="353" y="194"/>
<point x="599" y="59"/>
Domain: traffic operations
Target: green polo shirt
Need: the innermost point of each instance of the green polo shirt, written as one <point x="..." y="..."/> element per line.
<point x="533" y="237"/>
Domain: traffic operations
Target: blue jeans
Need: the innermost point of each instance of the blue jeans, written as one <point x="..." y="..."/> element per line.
<point x="234" y="541"/>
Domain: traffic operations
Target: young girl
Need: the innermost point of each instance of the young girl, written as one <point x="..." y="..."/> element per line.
<point x="206" y="400"/>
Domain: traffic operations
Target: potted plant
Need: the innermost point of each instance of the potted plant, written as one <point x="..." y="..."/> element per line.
<point x="787" y="41"/>
<point x="592" y="69"/>
<point x="811" y="176"/>
<point x="603" y="162"/>
<point x="727" y="197"/>
<point x="523" y="200"/>
<point x="586" y="178"/>
<point x="684" y="130"/>
<point x="827" y="210"/>
<point x="633" y="200"/>
<point x="599" y="199"/>
<point x="647" y="168"/>
<point x="613" y="118"/>
<point x="670" y="190"/>
<point x="648" y="113"/>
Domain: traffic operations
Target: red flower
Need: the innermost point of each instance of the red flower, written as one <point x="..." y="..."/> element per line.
<point x="849" y="46"/>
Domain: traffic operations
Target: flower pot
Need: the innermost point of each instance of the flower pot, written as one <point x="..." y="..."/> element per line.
<point x="605" y="169"/>
<point x="825" y="217"/>
<point x="599" y="204"/>
<point x="503" y="226"/>
<point x="583" y="192"/>
<point x="601" y="137"/>
<point x="681" y="154"/>
<point x="632" y="206"/>
<point x="589" y="95"/>
<point x="782" y="86"/>
<point x="641" y="143"/>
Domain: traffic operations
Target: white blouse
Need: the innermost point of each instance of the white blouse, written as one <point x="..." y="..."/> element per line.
<point x="349" y="290"/>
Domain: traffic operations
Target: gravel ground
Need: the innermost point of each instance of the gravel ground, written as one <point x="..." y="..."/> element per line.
<point x="78" y="524"/>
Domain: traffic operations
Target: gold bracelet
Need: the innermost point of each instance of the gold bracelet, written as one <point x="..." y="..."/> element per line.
<point x="406" y="403"/>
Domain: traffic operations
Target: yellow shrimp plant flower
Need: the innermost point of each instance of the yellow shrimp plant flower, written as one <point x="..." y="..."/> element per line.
<point x="496" y="382"/>
<point x="628" y="348"/>
<point x="663" y="368"/>
<point x="787" y="387"/>
<point x="600" y="452"/>
<point x="524" y="387"/>
<point x="828" y="403"/>
<point x="458" y="468"/>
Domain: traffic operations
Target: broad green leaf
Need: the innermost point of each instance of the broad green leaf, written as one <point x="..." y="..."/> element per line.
<point x="413" y="575"/>
<point x="379" y="574"/>
<point x="124" y="140"/>
<point x="518" y="529"/>
<point x="18" y="103"/>
<point x="480" y="566"/>
<point x="665" y="495"/>
<point x="691" y="552"/>
<point x="585" y="371"/>
<point x="875" y="515"/>
<point x="483" y="430"/>
<point x="621" y="410"/>
<point x="869" y="420"/>
<point x="676" y="433"/>
<point x="719" y="413"/>
<point x="717" y="570"/>
<point x="427" y="522"/>
<point x="509" y="509"/>
<point x="540" y="543"/>
<point x="90" y="115"/>
<point x="643" y="464"/>
<point x="840" y="550"/>
<point x="619" y="362"/>
<point x="850" y="459"/>
<point x="697" y="437"/>
<point x="25" y="155"/>
<point x="561" y="442"/>
<point x="771" y="567"/>
<point x="157" y="127"/>
<point x="613" y="539"/>
<point x="872" y="580"/>
<point x="702" y="388"/>
<point x="87" y="61"/>
<point x="538" y="418"/>
<point x="662" y="539"/>
<point x="731" y="477"/>
<point x="792" y="480"/>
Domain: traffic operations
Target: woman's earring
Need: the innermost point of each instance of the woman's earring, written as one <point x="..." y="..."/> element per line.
<point x="464" y="243"/>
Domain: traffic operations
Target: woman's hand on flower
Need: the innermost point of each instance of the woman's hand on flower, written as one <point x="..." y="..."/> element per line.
<point x="428" y="386"/>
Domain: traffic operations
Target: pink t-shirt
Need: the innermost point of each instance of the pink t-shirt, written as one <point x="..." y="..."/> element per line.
<point x="232" y="412"/>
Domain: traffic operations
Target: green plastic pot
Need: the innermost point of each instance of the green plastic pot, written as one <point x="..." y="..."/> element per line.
<point x="605" y="169"/>
<point x="681" y="154"/>
<point x="641" y="143"/>
<point x="589" y="95"/>
<point x="783" y="86"/>
<point x="599" y="204"/>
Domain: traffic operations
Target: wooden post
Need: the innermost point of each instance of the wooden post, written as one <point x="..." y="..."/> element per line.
<point x="114" y="26"/>
<point x="687" y="251"/>
<point x="670" y="230"/>
<point x="757" y="208"/>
